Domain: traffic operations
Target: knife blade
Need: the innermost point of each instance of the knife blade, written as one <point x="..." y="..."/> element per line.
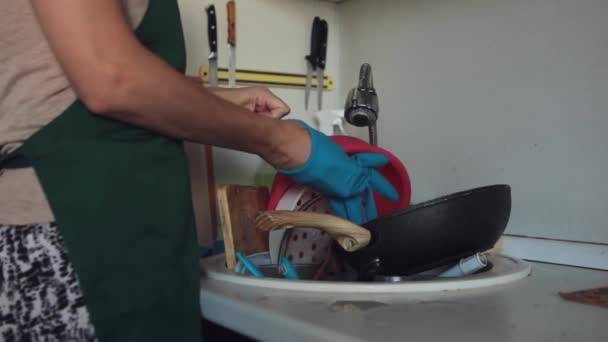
<point x="312" y="58"/>
<point x="212" y="34"/>
<point x="324" y="31"/>
<point x="231" y="5"/>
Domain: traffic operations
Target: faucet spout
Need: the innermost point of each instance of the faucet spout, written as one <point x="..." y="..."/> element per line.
<point x="366" y="80"/>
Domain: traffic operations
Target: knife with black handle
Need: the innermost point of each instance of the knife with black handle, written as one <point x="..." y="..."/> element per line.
<point x="322" y="56"/>
<point x="312" y="58"/>
<point x="212" y="34"/>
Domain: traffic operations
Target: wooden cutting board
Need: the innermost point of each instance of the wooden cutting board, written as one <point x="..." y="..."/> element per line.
<point x="238" y="207"/>
<point x="598" y="297"/>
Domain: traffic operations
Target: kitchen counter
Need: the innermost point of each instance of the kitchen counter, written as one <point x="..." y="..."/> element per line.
<point x="527" y="310"/>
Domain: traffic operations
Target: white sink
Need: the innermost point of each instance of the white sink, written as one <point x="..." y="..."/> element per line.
<point x="505" y="270"/>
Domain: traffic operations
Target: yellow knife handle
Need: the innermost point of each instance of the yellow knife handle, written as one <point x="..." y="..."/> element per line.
<point x="231" y="22"/>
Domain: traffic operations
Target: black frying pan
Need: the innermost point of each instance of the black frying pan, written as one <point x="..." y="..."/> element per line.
<point x="421" y="237"/>
<point x="434" y="233"/>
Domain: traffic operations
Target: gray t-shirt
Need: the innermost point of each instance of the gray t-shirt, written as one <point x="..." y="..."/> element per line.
<point x="34" y="90"/>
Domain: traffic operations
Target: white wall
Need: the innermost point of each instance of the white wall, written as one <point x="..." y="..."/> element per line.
<point x="272" y="35"/>
<point x="478" y="92"/>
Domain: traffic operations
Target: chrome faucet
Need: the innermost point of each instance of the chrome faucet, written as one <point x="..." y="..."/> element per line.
<point x="361" y="107"/>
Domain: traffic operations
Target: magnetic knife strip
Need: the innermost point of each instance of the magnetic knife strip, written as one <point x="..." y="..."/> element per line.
<point x="267" y="78"/>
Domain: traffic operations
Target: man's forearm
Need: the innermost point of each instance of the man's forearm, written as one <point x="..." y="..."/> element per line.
<point x="170" y="103"/>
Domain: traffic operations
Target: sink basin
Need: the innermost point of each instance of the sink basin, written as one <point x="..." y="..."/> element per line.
<point x="504" y="270"/>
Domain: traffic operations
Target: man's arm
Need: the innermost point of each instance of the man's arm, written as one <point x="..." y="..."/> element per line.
<point x="117" y="77"/>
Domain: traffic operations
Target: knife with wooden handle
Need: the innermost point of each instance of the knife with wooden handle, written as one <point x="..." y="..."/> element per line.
<point x="231" y="6"/>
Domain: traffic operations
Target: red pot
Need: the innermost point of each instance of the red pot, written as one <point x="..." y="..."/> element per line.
<point x="395" y="172"/>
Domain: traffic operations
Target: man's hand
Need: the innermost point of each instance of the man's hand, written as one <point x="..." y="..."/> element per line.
<point x="259" y="100"/>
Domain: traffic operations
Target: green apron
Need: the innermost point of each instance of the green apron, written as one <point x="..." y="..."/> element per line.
<point x="121" y="198"/>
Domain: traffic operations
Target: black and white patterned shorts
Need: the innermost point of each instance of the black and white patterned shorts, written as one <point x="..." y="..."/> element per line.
<point x="40" y="296"/>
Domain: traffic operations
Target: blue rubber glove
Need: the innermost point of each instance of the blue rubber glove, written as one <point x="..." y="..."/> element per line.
<point x="351" y="207"/>
<point x="343" y="179"/>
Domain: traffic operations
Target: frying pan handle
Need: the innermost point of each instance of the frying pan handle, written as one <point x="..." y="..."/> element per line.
<point x="349" y="235"/>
